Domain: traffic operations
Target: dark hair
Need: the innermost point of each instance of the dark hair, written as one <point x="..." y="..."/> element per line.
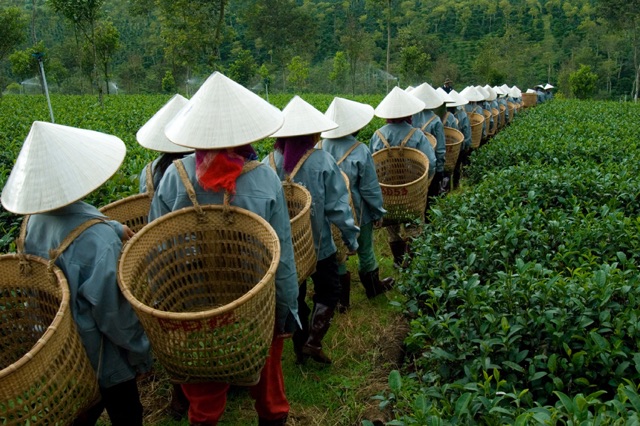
<point x="163" y="162"/>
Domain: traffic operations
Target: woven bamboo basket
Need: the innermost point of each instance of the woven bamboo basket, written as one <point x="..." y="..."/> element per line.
<point x="403" y="176"/>
<point x="432" y="140"/>
<point x="454" y="139"/>
<point x="503" y="116"/>
<point x="202" y="281"/>
<point x="299" y="205"/>
<point x="342" y="250"/>
<point x="495" y="113"/>
<point x="487" y="120"/>
<point x="132" y="211"/>
<point x="476" y="120"/>
<point x="45" y="374"/>
<point x="529" y="100"/>
<point x="512" y="110"/>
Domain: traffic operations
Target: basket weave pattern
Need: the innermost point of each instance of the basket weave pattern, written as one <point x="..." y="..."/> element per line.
<point x="454" y="139"/>
<point x="496" y="115"/>
<point x="202" y="281"/>
<point x="132" y="211"/>
<point x="299" y="206"/>
<point x="476" y="121"/>
<point x="503" y="116"/>
<point x="45" y="373"/>
<point x="403" y="176"/>
<point x="529" y="99"/>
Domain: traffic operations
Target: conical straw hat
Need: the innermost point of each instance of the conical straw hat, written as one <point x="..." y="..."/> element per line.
<point x="505" y="89"/>
<point x="472" y="94"/>
<point x="302" y="118"/>
<point x="59" y="165"/>
<point x="446" y="98"/>
<point x="498" y="90"/>
<point x="151" y="134"/>
<point x="459" y="100"/>
<point x="223" y="114"/>
<point x="351" y="116"/>
<point x="484" y="92"/>
<point x="515" y="92"/>
<point x="398" y="104"/>
<point x="492" y="93"/>
<point x="428" y="95"/>
<point x="548" y="86"/>
<point x="531" y="91"/>
<point x="409" y="88"/>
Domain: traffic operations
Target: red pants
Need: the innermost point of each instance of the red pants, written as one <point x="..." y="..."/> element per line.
<point x="207" y="400"/>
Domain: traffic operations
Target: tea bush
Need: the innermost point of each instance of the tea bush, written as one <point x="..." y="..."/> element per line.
<point x="524" y="290"/>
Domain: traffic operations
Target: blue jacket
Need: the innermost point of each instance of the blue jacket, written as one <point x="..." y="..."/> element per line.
<point x="464" y="125"/>
<point x="115" y="342"/>
<point x="321" y="176"/>
<point x="435" y="128"/>
<point x="363" y="180"/>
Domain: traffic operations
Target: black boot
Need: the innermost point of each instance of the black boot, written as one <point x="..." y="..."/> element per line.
<point x="279" y="422"/>
<point x="373" y="285"/>
<point x="300" y="336"/>
<point x="179" y="404"/>
<point x="320" y="323"/>
<point x="398" y="250"/>
<point x="345" y="293"/>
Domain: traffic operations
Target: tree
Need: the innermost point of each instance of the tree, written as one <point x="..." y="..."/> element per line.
<point x="83" y="15"/>
<point x="12" y="30"/>
<point x="243" y="68"/>
<point x="625" y="14"/>
<point x="583" y="82"/>
<point x="340" y="68"/>
<point x="298" y="72"/>
<point x="168" y="83"/>
<point x="24" y="64"/>
<point x="107" y="42"/>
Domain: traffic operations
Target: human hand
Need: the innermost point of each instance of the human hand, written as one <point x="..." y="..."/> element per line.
<point x="127" y="233"/>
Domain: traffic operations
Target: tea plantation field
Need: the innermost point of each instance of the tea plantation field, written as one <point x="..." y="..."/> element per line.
<point x="524" y="289"/>
<point x="523" y="293"/>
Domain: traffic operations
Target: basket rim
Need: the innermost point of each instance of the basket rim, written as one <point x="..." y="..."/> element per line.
<point x="57" y="319"/>
<point x="459" y="135"/>
<point x="426" y="170"/>
<point x="177" y="316"/>
<point x="117" y="203"/>
<point x="307" y="204"/>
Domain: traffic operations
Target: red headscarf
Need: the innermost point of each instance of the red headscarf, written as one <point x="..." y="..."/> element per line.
<point x="218" y="169"/>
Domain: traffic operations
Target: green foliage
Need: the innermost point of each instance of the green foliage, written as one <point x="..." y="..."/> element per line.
<point x="24" y="64"/>
<point x="243" y="68"/>
<point x="12" y="26"/>
<point x="298" y="72"/>
<point x="583" y="82"/>
<point x="168" y="83"/>
<point x="340" y="68"/>
<point x="524" y="288"/>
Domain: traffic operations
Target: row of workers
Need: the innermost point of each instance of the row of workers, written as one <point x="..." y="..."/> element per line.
<point x="58" y="166"/>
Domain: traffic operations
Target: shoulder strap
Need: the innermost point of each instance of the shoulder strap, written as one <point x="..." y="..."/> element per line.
<point x="300" y="163"/>
<point x="150" y="188"/>
<point x="70" y="238"/>
<point x="406" y="138"/>
<point x="383" y="139"/>
<point x="428" y="121"/>
<point x="272" y="160"/>
<point x="191" y="192"/>
<point x="349" y="151"/>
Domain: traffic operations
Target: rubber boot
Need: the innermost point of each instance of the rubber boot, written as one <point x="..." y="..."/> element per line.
<point x="373" y="285"/>
<point x="345" y="293"/>
<point x="279" y="422"/>
<point x="300" y="337"/>
<point x="179" y="404"/>
<point x="320" y="323"/>
<point x="398" y="250"/>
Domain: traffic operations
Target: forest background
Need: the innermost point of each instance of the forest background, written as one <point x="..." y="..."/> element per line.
<point x="341" y="47"/>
